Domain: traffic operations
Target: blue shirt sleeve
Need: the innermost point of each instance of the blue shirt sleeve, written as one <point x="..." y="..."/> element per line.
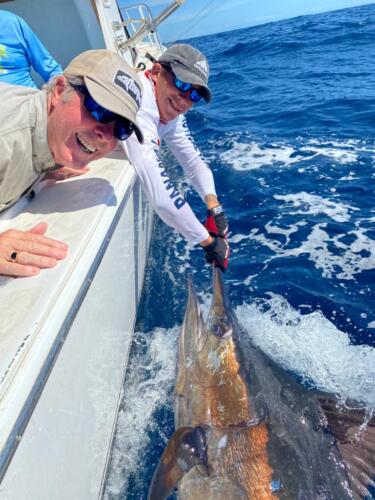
<point x="39" y="57"/>
<point x="20" y="49"/>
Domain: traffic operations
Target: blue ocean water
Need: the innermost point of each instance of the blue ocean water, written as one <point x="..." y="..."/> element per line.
<point x="290" y="138"/>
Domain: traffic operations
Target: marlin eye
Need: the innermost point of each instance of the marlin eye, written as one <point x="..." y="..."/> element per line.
<point x="216" y="330"/>
<point x="222" y="329"/>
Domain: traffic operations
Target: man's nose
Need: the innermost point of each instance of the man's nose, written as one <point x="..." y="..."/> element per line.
<point x="185" y="97"/>
<point x="104" y="131"/>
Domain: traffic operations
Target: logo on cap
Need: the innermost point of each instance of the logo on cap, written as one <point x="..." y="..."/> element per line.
<point x="127" y="83"/>
<point x="202" y="67"/>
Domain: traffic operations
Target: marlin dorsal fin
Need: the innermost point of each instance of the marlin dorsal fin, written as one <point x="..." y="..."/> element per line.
<point x="186" y="449"/>
<point x="354" y="432"/>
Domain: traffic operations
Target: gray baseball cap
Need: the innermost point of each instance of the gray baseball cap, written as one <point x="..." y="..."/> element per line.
<point x="111" y="82"/>
<point x="189" y="65"/>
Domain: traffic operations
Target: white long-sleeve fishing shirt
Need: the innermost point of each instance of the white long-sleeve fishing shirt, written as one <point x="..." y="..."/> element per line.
<point x="165" y="198"/>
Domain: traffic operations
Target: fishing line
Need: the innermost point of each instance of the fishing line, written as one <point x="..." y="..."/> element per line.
<point x="195" y="20"/>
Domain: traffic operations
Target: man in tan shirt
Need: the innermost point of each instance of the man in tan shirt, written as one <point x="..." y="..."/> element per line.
<point x="77" y="119"/>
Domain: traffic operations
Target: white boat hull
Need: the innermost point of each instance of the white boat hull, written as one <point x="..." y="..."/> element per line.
<point x="78" y="319"/>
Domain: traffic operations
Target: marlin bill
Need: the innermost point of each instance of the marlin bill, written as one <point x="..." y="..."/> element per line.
<point x="246" y="429"/>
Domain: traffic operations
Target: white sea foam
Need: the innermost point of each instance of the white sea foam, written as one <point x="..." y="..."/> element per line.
<point x="177" y="258"/>
<point x="338" y="153"/>
<point x="143" y="395"/>
<point x="296" y="341"/>
<point x="329" y="254"/>
<point x="342" y="255"/>
<point x="310" y="204"/>
<point x="251" y="156"/>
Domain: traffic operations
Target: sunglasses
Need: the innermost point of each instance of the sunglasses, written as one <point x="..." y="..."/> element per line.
<point x="194" y="94"/>
<point x="123" y="127"/>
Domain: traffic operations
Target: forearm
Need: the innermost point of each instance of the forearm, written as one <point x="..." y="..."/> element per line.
<point x="211" y="201"/>
<point x="206" y="242"/>
<point x="183" y="147"/>
<point x="161" y="192"/>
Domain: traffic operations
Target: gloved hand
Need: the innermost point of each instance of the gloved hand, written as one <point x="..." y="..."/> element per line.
<point x="216" y="222"/>
<point x="217" y="225"/>
<point x="218" y="252"/>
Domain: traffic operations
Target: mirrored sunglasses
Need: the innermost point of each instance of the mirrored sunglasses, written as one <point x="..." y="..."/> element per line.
<point x="123" y="127"/>
<point x="194" y="94"/>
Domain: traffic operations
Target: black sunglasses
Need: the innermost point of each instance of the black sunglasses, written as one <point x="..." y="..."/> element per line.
<point x="123" y="127"/>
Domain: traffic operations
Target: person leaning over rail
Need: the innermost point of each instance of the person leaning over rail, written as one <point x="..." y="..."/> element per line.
<point x="177" y="81"/>
<point x="78" y="118"/>
<point x="21" y="49"/>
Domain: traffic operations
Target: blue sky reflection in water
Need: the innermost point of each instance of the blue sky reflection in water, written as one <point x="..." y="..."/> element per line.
<point x="290" y="137"/>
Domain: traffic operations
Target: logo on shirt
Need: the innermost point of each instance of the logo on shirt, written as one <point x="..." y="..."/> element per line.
<point x="131" y="87"/>
<point x="173" y="193"/>
<point x="3" y="53"/>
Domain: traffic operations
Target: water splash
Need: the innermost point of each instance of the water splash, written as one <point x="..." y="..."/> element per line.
<point x="312" y="347"/>
<point x="148" y="386"/>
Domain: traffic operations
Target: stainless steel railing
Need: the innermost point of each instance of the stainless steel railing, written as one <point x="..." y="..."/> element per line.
<point x="138" y="25"/>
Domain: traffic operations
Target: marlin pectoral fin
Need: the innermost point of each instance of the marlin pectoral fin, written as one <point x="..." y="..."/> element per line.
<point x="186" y="449"/>
<point x="354" y="432"/>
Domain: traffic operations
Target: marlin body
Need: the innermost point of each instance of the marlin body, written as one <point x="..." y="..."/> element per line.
<point x="245" y="429"/>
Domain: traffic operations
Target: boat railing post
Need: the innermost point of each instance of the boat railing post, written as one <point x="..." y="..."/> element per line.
<point x="147" y="27"/>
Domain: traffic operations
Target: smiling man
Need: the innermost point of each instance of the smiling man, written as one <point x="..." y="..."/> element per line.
<point x="176" y="82"/>
<point x="77" y="119"/>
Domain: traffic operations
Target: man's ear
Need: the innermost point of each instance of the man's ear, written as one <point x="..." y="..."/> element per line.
<point x="156" y="69"/>
<point x="60" y="84"/>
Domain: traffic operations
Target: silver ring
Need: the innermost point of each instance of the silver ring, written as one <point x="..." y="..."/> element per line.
<point x="13" y="256"/>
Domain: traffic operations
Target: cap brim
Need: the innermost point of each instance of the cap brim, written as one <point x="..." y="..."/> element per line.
<point x="187" y="76"/>
<point x="138" y="133"/>
<point x="114" y="104"/>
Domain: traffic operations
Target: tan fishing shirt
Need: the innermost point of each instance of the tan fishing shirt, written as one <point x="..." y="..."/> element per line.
<point x="24" y="152"/>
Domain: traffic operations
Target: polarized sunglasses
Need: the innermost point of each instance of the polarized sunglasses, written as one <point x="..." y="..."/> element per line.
<point x="123" y="127"/>
<point x="194" y="94"/>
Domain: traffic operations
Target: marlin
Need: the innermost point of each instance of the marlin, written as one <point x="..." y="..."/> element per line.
<point x="246" y="429"/>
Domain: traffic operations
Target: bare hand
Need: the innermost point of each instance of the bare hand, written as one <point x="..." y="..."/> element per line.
<point x="65" y="173"/>
<point x="25" y="253"/>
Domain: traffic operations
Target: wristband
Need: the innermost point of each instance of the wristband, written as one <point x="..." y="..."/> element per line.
<point x="216" y="211"/>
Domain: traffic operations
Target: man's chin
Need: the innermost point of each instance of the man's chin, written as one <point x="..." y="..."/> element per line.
<point x="168" y="117"/>
<point x="78" y="161"/>
<point x="77" y="165"/>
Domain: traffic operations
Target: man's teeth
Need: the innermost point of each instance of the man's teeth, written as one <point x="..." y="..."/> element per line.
<point x="85" y="146"/>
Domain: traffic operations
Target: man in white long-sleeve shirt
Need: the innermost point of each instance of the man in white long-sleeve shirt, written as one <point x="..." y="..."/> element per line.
<point x="176" y="81"/>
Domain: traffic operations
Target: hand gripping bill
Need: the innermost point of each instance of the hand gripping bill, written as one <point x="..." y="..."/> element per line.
<point x="217" y="252"/>
<point x="217" y="225"/>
